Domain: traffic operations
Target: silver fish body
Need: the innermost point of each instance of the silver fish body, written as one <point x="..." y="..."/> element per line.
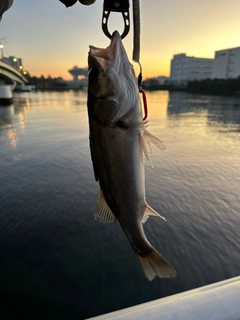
<point x="118" y="141"/>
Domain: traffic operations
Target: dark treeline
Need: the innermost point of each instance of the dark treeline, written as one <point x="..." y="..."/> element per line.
<point x="215" y="86"/>
<point x="153" y="84"/>
<point x="207" y="86"/>
<point x="47" y="83"/>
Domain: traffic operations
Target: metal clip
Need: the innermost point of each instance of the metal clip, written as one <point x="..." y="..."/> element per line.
<point x="116" y="6"/>
<point x="144" y="103"/>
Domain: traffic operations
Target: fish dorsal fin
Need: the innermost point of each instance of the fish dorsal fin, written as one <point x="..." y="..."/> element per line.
<point x="151" y="212"/>
<point x="103" y="213"/>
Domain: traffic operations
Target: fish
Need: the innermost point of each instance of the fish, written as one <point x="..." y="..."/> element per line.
<point x="118" y="141"/>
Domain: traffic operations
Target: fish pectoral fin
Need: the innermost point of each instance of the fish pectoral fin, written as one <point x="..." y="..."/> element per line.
<point x="103" y="213"/>
<point x="145" y="139"/>
<point x="146" y="147"/>
<point x="154" y="140"/>
<point x="151" y="212"/>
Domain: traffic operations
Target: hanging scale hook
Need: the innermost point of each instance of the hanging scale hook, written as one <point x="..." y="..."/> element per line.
<point x="116" y="6"/>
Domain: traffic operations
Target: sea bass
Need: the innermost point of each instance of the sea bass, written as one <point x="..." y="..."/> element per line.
<point x="118" y="141"/>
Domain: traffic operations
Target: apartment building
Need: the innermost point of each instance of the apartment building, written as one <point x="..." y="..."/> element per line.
<point x="184" y="68"/>
<point x="226" y="64"/>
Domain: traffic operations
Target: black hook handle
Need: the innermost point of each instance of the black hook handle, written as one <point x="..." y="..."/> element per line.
<point x="116" y="6"/>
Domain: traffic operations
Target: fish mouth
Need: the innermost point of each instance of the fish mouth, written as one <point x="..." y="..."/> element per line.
<point x="103" y="57"/>
<point x="116" y="43"/>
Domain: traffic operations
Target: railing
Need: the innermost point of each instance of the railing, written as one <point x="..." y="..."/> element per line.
<point x="218" y="301"/>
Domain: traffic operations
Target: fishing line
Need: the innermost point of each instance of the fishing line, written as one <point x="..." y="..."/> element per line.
<point x="136" y="37"/>
<point x="136" y="31"/>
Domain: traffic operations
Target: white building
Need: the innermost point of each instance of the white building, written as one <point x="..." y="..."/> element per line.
<point x="226" y="64"/>
<point x="184" y="68"/>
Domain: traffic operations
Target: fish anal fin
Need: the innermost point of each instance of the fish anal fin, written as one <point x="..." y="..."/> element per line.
<point x="151" y="212"/>
<point x="155" y="265"/>
<point x="103" y="213"/>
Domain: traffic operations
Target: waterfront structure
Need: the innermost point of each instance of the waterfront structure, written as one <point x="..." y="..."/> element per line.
<point x="6" y="93"/>
<point x="162" y="79"/>
<point x="76" y="72"/>
<point x="155" y="82"/>
<point x="79" y="78"/>
<point x="184" y="69"/>
<point x="226" y="64"/>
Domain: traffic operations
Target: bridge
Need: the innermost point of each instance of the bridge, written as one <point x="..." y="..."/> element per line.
<point x="9" y="74"/>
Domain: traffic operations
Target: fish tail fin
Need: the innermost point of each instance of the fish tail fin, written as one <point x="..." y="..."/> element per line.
<point x="155" y="265"/>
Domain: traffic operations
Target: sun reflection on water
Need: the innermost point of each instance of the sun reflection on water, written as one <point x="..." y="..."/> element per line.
<point x="12" y="136"/>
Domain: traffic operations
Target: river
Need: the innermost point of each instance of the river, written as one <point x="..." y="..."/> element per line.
<point x="56" y="262"/>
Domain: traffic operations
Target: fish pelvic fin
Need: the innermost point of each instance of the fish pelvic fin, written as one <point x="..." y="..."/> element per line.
<point x="146" y="138"/>
<point x="151" y="212"/>
<point x="103" y="213"/>
<point x="155" y="265"/>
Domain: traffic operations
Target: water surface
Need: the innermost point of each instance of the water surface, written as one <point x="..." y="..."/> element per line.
<point x="56" y="262"/>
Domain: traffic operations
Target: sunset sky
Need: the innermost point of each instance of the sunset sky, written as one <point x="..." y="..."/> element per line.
<point x="51" y="38"/>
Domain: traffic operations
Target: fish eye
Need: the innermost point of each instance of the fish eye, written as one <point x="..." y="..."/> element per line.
<point x="93" y="73"/>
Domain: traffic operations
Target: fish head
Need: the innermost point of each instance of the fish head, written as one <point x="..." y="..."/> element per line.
<point x="112" y="83"/>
